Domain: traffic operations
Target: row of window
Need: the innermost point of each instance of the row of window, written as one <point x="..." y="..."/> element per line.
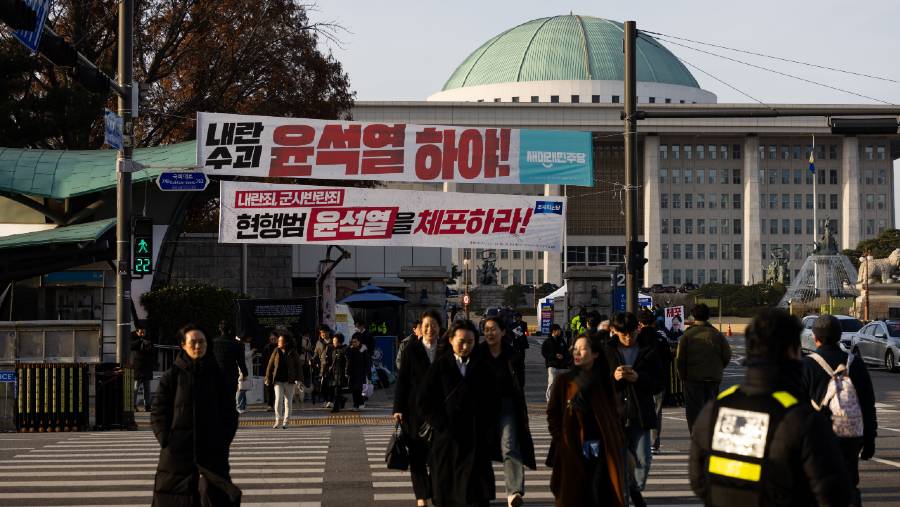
<point x="504" y="254"/>
<point x="703" y="176"/>
<point x="801" y="251"/>
<point x="595" y="255"/>
<point x="674" y="276"/>
<point x="800" y="176"/>
<point x="595" y="99"/>
<point x="714" y="226"/>
<point x="702" y="152"/>
<point x="701" y="253"/>
<point x="517" y="277"/>
<point x="714" y="200"/>
<point x="798" y="223"/>
<point x="870" y="227"/>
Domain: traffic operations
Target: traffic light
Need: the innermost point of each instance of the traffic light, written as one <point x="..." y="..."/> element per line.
<point x="637" y="259"/>
<point x="17" y="14"/>
<point x="142" y="246"/>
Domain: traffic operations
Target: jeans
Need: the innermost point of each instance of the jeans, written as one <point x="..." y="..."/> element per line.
<point x="639" y="446"/>
<point x="552" y="373"/>
<point x="696" y="394"/>
<point x="148" y="395"/>
<point x="513" y="469"/>
<point x="654" y="433"/>
<point x="284" y="393"/>
<point x="240" y="399"/>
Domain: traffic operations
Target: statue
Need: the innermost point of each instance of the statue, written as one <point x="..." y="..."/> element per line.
<point x="487" y="273"/>
<point x="883" y="269"/>
<point x="826" y="245"/>
<point x="776" y="271"/>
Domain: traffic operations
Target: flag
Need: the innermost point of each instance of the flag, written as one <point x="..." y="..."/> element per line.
<point x="812" y="163"/>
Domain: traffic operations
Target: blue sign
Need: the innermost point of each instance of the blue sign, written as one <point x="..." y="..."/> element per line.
<point x="112" y="132"/>
<point x="7" y="376"/>
<point x="185" y="182"/>
<point x="73" y="277"/>
<point x="546" y="317"/>
<point x="385" y="353"/>
<point x="548" y="207"/>
<point x="32" y="38"/>
<point x="556" y="157"/>
<point x="619" y="300"/>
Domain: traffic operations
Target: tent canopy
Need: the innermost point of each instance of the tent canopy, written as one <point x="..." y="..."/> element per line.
<point x="371" y="296"/>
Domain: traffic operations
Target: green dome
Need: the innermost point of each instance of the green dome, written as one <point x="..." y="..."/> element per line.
<point x="566" y="48"/>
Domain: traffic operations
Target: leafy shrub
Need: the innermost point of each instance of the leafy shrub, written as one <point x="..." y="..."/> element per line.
<point x="171" y="307"/>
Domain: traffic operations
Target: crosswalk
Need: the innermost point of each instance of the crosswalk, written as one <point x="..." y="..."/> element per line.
<point x="668" y="483"/>
<point x="274" y="468"/>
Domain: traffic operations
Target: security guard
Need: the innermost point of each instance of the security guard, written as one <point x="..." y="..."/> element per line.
<point x="761" y="443"/>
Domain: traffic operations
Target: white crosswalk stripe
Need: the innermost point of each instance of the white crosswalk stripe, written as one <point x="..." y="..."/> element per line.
<point x="668" y="483"/>
<point x="274" y="469"/>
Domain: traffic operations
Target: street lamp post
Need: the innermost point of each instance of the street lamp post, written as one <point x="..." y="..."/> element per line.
<point x="866" y="258"/>
<point x="466" y="281"/>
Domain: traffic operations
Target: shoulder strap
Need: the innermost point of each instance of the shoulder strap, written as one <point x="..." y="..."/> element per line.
<point x="821" y="360"/>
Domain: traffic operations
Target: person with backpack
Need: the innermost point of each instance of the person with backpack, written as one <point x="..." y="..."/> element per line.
<point x="840" y="386"/>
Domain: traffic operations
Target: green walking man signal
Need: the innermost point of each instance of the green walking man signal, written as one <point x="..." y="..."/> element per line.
<point x="142" y="247"/>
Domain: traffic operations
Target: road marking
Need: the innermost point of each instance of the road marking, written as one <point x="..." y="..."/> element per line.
<point x="147" y="470"/>
<point x="43" y="495"/>
<point x="889" y="429"/>
<point x="887" y="462"/>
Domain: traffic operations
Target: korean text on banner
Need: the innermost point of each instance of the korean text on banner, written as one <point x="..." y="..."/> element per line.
<point x="307" y="215"/>
<point x="265" y="146"/>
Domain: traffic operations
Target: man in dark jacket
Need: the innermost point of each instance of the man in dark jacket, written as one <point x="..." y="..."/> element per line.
<point x="142" y="360"/>
<point x="762" y="443"/>
<point x="359" y="368"/>
<point x="702" y="355"/>
<point x="827" y="333"/>
<point x="557" y="357"/>
<point x="647" y="331"/>
<point x="637" y="377"/>
<point x="267" y="351"/>
<point x="229" y="355"/>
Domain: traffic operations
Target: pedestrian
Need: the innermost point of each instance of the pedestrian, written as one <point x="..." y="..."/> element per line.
<point x="359" y="367"/>
<point x="323" y="352"/>
<point x="362" y="334"/>
<point x="702" y="354"/>
<point x="244" y="379"/>
<point x="762" y="442"/>
<point x="283" y="372"/>
<point x="557" y="357"/>
<point x="518" y="330"/>
<point x="229" y="355"/>
<point x="827" y="334"/>
<point x="516" y="444"/>
<point x="647" y="327"/>
<point x="305" y="349"/>
<point x="143" y="359"/>
<point x="268" y="349"/>
<point x="417" y="360"/>
<point x="586" y="448"/>
<point x="337" y="372"/>
<point x="637" y="377"/>
<point x="460" y="403"/>
<point x="194" y="422"/>
<point x="415" y="335"/>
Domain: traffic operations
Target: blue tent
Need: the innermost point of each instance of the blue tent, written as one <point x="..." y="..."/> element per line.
<point x="371" y="296"/>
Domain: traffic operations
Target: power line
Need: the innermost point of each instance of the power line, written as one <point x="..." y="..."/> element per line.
<point x="785" y="74"/>
<point x="789" y="60"/>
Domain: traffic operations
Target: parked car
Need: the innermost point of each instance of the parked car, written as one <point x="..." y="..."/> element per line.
<point x="687" y="287"/>
<point x="878" y="343"/>
<point x="657" y="288"/>
<point x="849" y="326"/>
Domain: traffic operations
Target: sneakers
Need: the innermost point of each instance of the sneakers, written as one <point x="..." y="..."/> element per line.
<point x="275" y="427"/>
<point x="362" y="406"/>
<point x="328" y="404"/>
<point x="515" y="500"/>
<point x="284" y="426"/>
<point x="655" y="450"/>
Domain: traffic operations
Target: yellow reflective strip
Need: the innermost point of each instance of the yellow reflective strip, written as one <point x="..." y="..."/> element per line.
<point x="734" y="468"/>
<point x="785" y="398"/>
<point x="727" y="392"/>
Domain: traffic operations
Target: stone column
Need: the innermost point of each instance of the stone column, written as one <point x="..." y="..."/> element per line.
<point x="553" y="261"/>
<point x="652" y="233"/>
<point x="753" y="261"/>
<point x="850" y="227"/>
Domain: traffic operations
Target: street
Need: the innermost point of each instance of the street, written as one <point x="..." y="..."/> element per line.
<point x="328" y="461"/>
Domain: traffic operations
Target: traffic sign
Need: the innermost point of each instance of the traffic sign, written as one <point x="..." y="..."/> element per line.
<point x="183" y="181"/>
<point x="112" y="134"/>
<point x="7" y="376"/>
<point x="32" y="38"/>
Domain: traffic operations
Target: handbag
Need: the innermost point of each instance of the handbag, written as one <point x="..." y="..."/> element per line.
<point x="397" y="455"/>
<point x="367" y="390"/>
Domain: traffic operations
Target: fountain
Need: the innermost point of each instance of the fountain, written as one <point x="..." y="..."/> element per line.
<point x="825" y="275"/>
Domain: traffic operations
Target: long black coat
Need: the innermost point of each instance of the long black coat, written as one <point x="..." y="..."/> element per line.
<point x="636" y="399"/>
<point x="414" y="366"/>
<point x="459" y="410"/>
<point x="229" y="354"/>
<point x="358" y="365"/>
<point x="194" y="420"/>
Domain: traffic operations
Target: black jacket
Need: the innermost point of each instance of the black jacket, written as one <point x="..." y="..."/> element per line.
<point x="359" y="366"/>
<point x="804" y="464"/>
<point x="143" y="357"/>
<point x="663" y="349"/>
<point x="553" y="346"/>
<point x="636" y="399"/>
<point x="229" y="354"/>
<point x="414" y="368"/>
<point x="815" y="383"/>
<point x="194" y="420"/>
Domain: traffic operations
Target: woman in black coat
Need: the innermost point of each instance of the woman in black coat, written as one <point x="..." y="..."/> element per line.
<point x="417" y="359"/>
<point x="194" y="420"/>
<point x="460" y="402"/>
<point x="359" y="365"/>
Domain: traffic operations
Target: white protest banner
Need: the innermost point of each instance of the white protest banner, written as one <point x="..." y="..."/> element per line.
<point x="307" y="215"/>
<point x="265" y="146"/>
<point x="675" y="319"/>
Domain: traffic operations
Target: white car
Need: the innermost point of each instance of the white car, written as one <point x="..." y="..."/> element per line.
<point x="878" y="343"/>
<point x="849" y="327"/>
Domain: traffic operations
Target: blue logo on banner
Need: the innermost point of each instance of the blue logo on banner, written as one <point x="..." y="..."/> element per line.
<point x="555" y="157"/>
<point x="7" y="376"/>
<point x="548" y="207"/>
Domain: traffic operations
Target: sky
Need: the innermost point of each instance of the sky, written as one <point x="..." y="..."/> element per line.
<point x="406" y="50"/>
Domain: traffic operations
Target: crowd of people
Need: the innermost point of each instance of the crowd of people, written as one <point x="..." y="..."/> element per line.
<point x="789" y="434"/>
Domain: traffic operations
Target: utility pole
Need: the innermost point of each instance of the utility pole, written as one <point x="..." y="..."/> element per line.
<point x="631" y="236"/>
<point x="123" y="182"/>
